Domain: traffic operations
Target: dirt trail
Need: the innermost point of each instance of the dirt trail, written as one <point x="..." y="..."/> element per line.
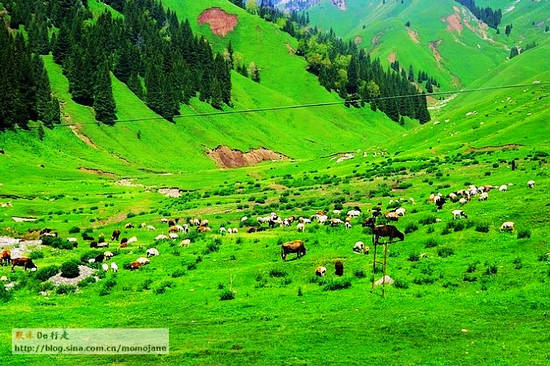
<point x="495" y="148"/>
<point x="413" y="35"/>
<point x="78" y="133"/>
<point x="232" y="158"/>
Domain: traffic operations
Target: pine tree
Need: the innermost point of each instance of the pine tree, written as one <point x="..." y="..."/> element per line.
<point x="62" y="45"/>
<point x="54" y="113"/>
<point x="104" y="103"/>
<point x="352" y="86"/>
<point x="254" y="72"/>
<point x="134" y="84"/>
<point x="514" y="52"/>
<point x="43" y="91"/>
<point x="217" y="100"/>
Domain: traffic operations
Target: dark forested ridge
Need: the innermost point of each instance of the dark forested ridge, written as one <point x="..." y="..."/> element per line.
<point x="149" y="49"/>
<point x="24" y="85"/>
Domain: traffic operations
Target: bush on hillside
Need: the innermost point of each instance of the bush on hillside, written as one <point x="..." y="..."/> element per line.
<point x="44" y="273"/>
<point x="70" y="269"/>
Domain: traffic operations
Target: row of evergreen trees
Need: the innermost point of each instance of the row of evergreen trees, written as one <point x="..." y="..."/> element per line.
<point x="489" y="16"/>
<point x="149" y="49"/>
<point x="25" y="92"/>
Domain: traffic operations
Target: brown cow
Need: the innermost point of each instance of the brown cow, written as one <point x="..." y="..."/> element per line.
<point x="5" y="259"/>
<point x="116" y="234"/>
<point x="22" y="262"/>
<point x="296" y="246"/>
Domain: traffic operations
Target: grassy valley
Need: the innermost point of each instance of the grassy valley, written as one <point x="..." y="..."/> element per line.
<point x="465" y="291"/>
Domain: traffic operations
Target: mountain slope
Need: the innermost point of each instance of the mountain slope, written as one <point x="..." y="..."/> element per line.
<point x="515" y="116"/>
<point x="153" y="143"/>
<point x="440" y="35"/>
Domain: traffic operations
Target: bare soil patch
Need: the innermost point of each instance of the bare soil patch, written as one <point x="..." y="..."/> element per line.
<point x="413" y="35"/>
<point x="232" y="158"/>
<point x="392" y="57"/>
<point x="221" y="23"/>
<point x="454" y="23"/>
<point x="433" y="46"/>
<point x="97" y="172"/>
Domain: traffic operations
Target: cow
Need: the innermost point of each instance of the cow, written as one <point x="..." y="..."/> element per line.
<point x="129" y="226"/>
<point x="116" y="235"/>
<point x="5" y="259"/>
<point x="296" y="246"/>
<point x="320" y="271"/>
<point x="124" y="243"/>
<point x="339" y="268"/>
<point x="203" y="229"/>
<point x="24" y="262"/>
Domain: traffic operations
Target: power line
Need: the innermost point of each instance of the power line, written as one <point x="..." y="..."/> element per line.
<point x="309" y="105"/>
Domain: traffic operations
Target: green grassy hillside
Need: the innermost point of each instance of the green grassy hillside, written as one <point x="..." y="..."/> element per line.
<point x="492" y="118"/>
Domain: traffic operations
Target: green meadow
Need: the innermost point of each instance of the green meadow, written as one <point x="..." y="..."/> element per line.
<point x="465" y="292"/>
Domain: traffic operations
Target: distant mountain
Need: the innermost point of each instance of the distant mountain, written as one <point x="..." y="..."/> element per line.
<point x="306" y="4"/>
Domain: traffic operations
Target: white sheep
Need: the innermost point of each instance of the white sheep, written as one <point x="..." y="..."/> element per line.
<point x="348" y="225"/>
<point x="105" y="267"/>
<point x="400" y="211"/>
<point x="151" y="252"/>
<point x="173" y="236"/>
<point x="185" y="243"/>
<point x="133" y="239"/>
<point x="301" y="227"/>
<point x="503" y="188"/>
<point x="458" y="214"/>
<point x="114" y="267"/>
<point x="223" y="230"/>
<point x="531" y="184"/>
<point x="161" y="237"/>
<point x="484" y="196"/>
<point x="507" y="226"/>
<point x="151" y="227"/>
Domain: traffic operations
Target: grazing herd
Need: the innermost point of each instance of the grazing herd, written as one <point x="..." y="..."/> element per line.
<point x="389" y="233"/>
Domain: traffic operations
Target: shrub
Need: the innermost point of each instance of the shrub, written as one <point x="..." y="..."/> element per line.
<point x="87" y="281"/>
<point x="277" y="273"/>
<point x="428" y="220"/>
<point x="445" y="252"/>
<point x="163" y="286"/>
<point x="211" y="247"/>
<point x="46" y="286"/>
<point x="524" y="234"/>
<point x="482" y="227"/>
<point x="471" y="268"/>
<point x="70" y="269"/>
<point x="359" y="273"/>
<point x="300" y="291"/>
<point x="491" y="269"/>
<point x="337" y="284"/>
<point x="44" y="273"/>
<point x="65" y="289"/>
<point x="146" y="285"/>
<point x="431" y="243"/>
<point x="178" y="273"/>
<point x="56" y="242"/>
<point x="74" y="230"/>
<point x="414" y="257"/>
<point x="5" y="295"/>
<point x="517" y="263"/>
<point x="36" y="254"/>
<point x="227" y="295"/>
<point x="469" y="278"/>
<point x="401" y="284"/>
<point x="410" y="228"/>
